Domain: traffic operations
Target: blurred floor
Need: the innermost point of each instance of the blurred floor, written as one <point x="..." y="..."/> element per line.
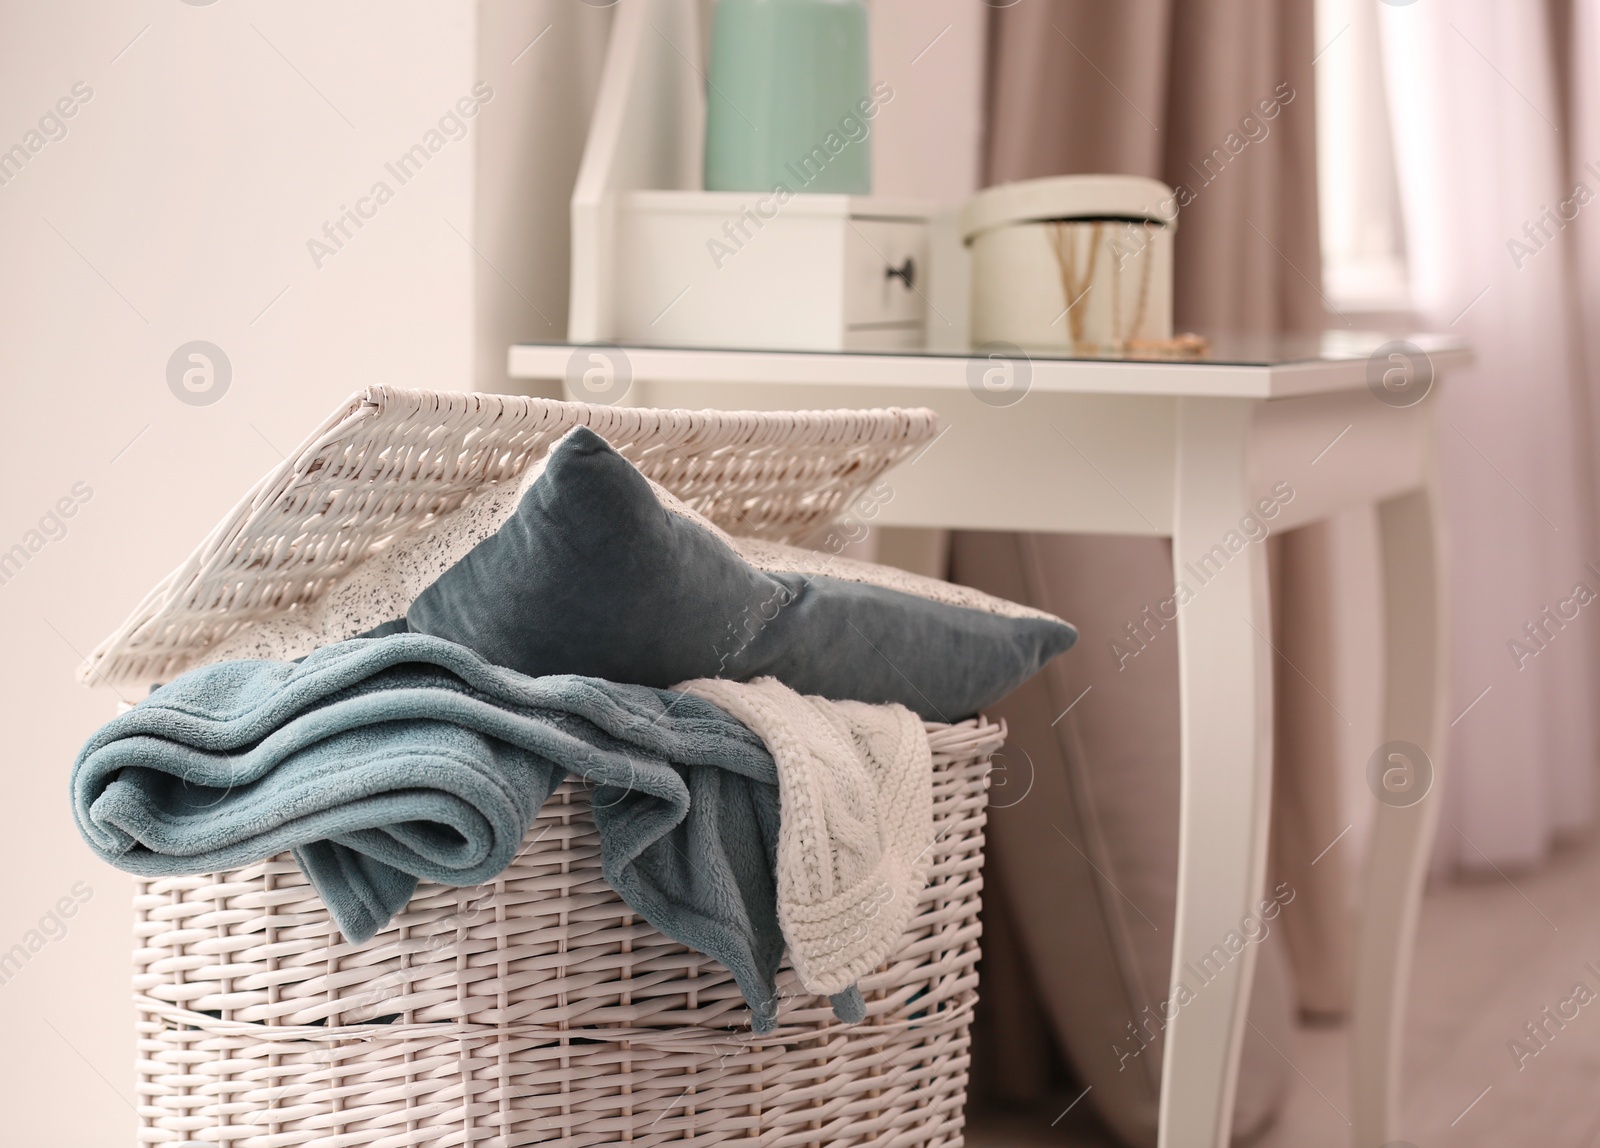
<point x="1492" y="955"/>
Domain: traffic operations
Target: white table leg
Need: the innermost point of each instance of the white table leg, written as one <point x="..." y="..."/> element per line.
<point x="1402" y="834"/>
<point x="1225" y="691"/>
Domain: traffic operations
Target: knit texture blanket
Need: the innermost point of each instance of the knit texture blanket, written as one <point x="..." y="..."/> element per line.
<point x="383" y="761"/>
<point x="856" y="785"/>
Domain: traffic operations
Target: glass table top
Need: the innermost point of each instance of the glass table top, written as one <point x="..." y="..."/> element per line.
<point x="1218" y="349"/>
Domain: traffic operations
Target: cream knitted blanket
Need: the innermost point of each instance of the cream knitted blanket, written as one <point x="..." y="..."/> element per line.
<point x="855" y="782"/>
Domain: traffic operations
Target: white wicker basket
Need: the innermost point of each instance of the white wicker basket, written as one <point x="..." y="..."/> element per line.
<point x="540" y="1010"/>
<point x="537" y="1009"/>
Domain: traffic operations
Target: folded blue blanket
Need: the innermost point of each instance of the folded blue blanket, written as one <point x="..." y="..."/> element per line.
<point x="382" y="761"/>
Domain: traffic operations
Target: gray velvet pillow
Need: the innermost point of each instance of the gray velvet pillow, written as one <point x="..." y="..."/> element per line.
<point x="593" y="575"/>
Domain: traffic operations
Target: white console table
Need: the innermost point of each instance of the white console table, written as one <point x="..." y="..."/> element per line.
<point x="1182" y="449"/>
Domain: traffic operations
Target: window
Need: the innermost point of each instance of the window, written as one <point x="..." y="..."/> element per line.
<point x="1363" y="237"/>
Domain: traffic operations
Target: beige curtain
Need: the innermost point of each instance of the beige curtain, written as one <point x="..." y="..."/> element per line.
<point x="1154" y="88"/>
<point x="1169" y="90"/>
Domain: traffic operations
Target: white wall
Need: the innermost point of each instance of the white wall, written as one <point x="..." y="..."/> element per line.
<point x="178" y="207"/>
<point x="529" y="147"/>
<point x="218" y="139"/>
<point x="932" y="53"/>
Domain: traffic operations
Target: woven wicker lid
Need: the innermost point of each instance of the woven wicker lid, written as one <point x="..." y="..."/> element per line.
<point x="389" y="462"/>
<point x="1068" y="197"/>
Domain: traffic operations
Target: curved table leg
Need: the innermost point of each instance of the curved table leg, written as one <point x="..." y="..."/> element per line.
<point x="1407" y="811"/>
<point x="1225" y="691"/>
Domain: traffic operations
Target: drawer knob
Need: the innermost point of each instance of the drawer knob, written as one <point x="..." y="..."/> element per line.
<point x="906" y="273"/>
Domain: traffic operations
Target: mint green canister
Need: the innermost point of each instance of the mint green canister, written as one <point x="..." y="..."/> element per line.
<point x="789" y="99"/>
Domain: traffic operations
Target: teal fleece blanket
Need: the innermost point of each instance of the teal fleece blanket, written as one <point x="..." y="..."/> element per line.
<point x="384" y="761"/>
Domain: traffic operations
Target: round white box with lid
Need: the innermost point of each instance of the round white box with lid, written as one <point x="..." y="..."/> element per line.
<point x="1080" y="262"/>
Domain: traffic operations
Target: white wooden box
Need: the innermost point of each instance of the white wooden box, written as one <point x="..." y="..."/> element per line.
<point x="781" y="272"/>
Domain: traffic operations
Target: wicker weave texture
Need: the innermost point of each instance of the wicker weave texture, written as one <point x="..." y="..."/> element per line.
<point x="393" y="461"/>
<point x="539" y="1010"/>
